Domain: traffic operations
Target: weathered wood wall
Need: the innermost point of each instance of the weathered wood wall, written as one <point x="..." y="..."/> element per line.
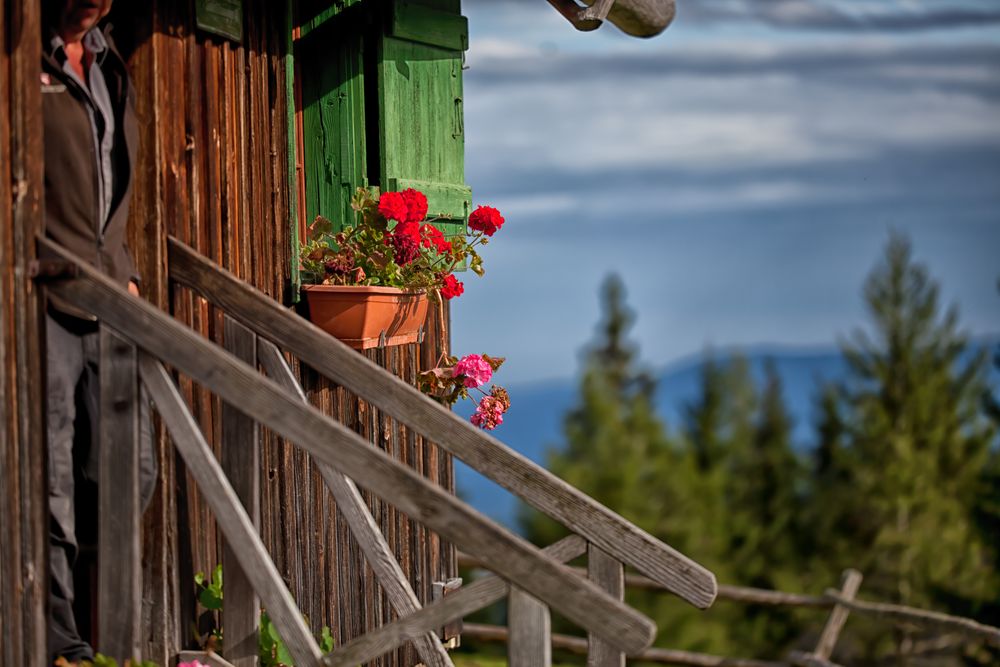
<point x="213" y="171"/>
<point x="23" y="508"/>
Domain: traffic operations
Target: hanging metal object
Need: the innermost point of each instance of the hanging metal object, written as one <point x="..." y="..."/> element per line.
<point x="639" y="18"/>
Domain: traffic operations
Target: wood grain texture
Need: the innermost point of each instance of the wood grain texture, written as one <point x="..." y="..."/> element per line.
<point x="233" y="520"/>
<point x="119" y="559"/>
<point x="609" y="575"/>
<point x="849" y="585"/>
<point x="23" y="509"/>
<point x="241" y="464"/>
<point x="363" y="526"/>
<point x="467" y="600"/>
<point x="580" y="646"/>
<point x="529" y="624"/>
<point x="213" y="169"/>
<point x="331" y="443"/>
<point x="487" y="455"/>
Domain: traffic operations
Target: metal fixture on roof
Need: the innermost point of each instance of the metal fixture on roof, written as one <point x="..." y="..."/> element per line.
<point x="639" y="18"/>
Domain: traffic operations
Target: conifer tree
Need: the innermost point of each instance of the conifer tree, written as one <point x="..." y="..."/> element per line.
<point x="618" y="451"/>
<point x="905" y="447"/>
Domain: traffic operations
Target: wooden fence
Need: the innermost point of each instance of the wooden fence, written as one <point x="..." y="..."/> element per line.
<point x="529" y="639"/>
<point x="137" y="340"/>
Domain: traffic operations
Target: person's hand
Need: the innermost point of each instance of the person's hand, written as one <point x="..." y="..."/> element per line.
<point x="133" y="288"/>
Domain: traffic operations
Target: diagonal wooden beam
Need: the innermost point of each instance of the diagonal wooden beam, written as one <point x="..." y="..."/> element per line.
<point x="363" y="527"/>
<point x="231" y="517"/>
<point x="331" y="442"/>
<point x="849" y="585"/>
<point x="539" y="487"/>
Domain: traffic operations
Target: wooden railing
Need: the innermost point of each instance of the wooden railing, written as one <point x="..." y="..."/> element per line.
<point x="138" y="339"/>
<point x="525" y="634"/>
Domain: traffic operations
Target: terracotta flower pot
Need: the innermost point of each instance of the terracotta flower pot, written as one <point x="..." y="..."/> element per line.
<point x="365" y="317"/>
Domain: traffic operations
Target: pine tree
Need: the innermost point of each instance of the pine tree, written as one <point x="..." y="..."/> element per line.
<point x="905" y="446"/>
<point x="618" y="451"/>
<point x="741" y="440"/>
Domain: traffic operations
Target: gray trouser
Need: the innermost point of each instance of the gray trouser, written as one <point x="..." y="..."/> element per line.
<point x="72" y="383"/>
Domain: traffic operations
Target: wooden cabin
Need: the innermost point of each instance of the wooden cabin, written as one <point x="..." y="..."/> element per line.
<point x="256" y="116"/>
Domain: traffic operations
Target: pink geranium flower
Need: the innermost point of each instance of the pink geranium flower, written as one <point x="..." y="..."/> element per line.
<point x="476" y="370"/>
<point x="489" y="413"/>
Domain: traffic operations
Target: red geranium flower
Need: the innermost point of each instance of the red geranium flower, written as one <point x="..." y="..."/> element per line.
<point x="432" y="236"/>
<point x="405" y="240"/>
<point x="392" y="206"/>
<point x="486" y="219"/>
<point x="416" y="205"/>
<point x="451" y="287"/>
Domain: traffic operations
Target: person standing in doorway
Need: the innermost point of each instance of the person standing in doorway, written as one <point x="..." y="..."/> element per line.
<point x="91" y="136"/>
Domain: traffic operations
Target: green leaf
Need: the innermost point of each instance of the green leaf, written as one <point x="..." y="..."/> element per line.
<point x="326" y="643"/>
<point x="209" y="600"/>
<point x="217" y="578"/>
<point x="284" y="657"/>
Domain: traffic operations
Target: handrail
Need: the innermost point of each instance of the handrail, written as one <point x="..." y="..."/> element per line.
<point x="539" y="487"/>
<point x="330" y="442"/>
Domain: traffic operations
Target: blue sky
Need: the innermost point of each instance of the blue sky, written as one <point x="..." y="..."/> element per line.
<point x="741" y="171"/>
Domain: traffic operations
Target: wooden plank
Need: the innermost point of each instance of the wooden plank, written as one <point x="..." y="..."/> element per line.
<point x="664" y="656"/>
<point x="232" y="518"/>
<point x="467" y="600"/>
<point x="370" y="538"/>
<point x="489" y="456"/>
<point x="530" y="625"/>
<point x="241" y="464"/>
<point x="330" y="442"/>
<point x="419" y="23"/>
<point x="119" y="559"/>
<point x="609" y="575"/>
<point x="849" y="584"/>
<point x="25" y="520"/>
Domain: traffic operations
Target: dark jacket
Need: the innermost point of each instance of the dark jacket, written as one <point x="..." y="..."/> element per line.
<point x="71" y="178"/>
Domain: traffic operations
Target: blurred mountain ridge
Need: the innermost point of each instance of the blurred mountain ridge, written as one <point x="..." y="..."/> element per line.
<point x="533" y="425"/>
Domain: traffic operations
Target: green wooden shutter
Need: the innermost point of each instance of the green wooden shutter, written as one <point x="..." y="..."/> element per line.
<point x="421" y="127"/>
<point x="331" y="70"/>
<point x="381" y="86"/>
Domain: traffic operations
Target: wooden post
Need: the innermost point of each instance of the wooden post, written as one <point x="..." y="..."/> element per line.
<point x="119" y="558"/>
<point x="609" y="575"/>
<point x="241" y="463"/>
<point x="24" y="521"/>
<point x="849" y="584"/>
<point x="530" y="626"/>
